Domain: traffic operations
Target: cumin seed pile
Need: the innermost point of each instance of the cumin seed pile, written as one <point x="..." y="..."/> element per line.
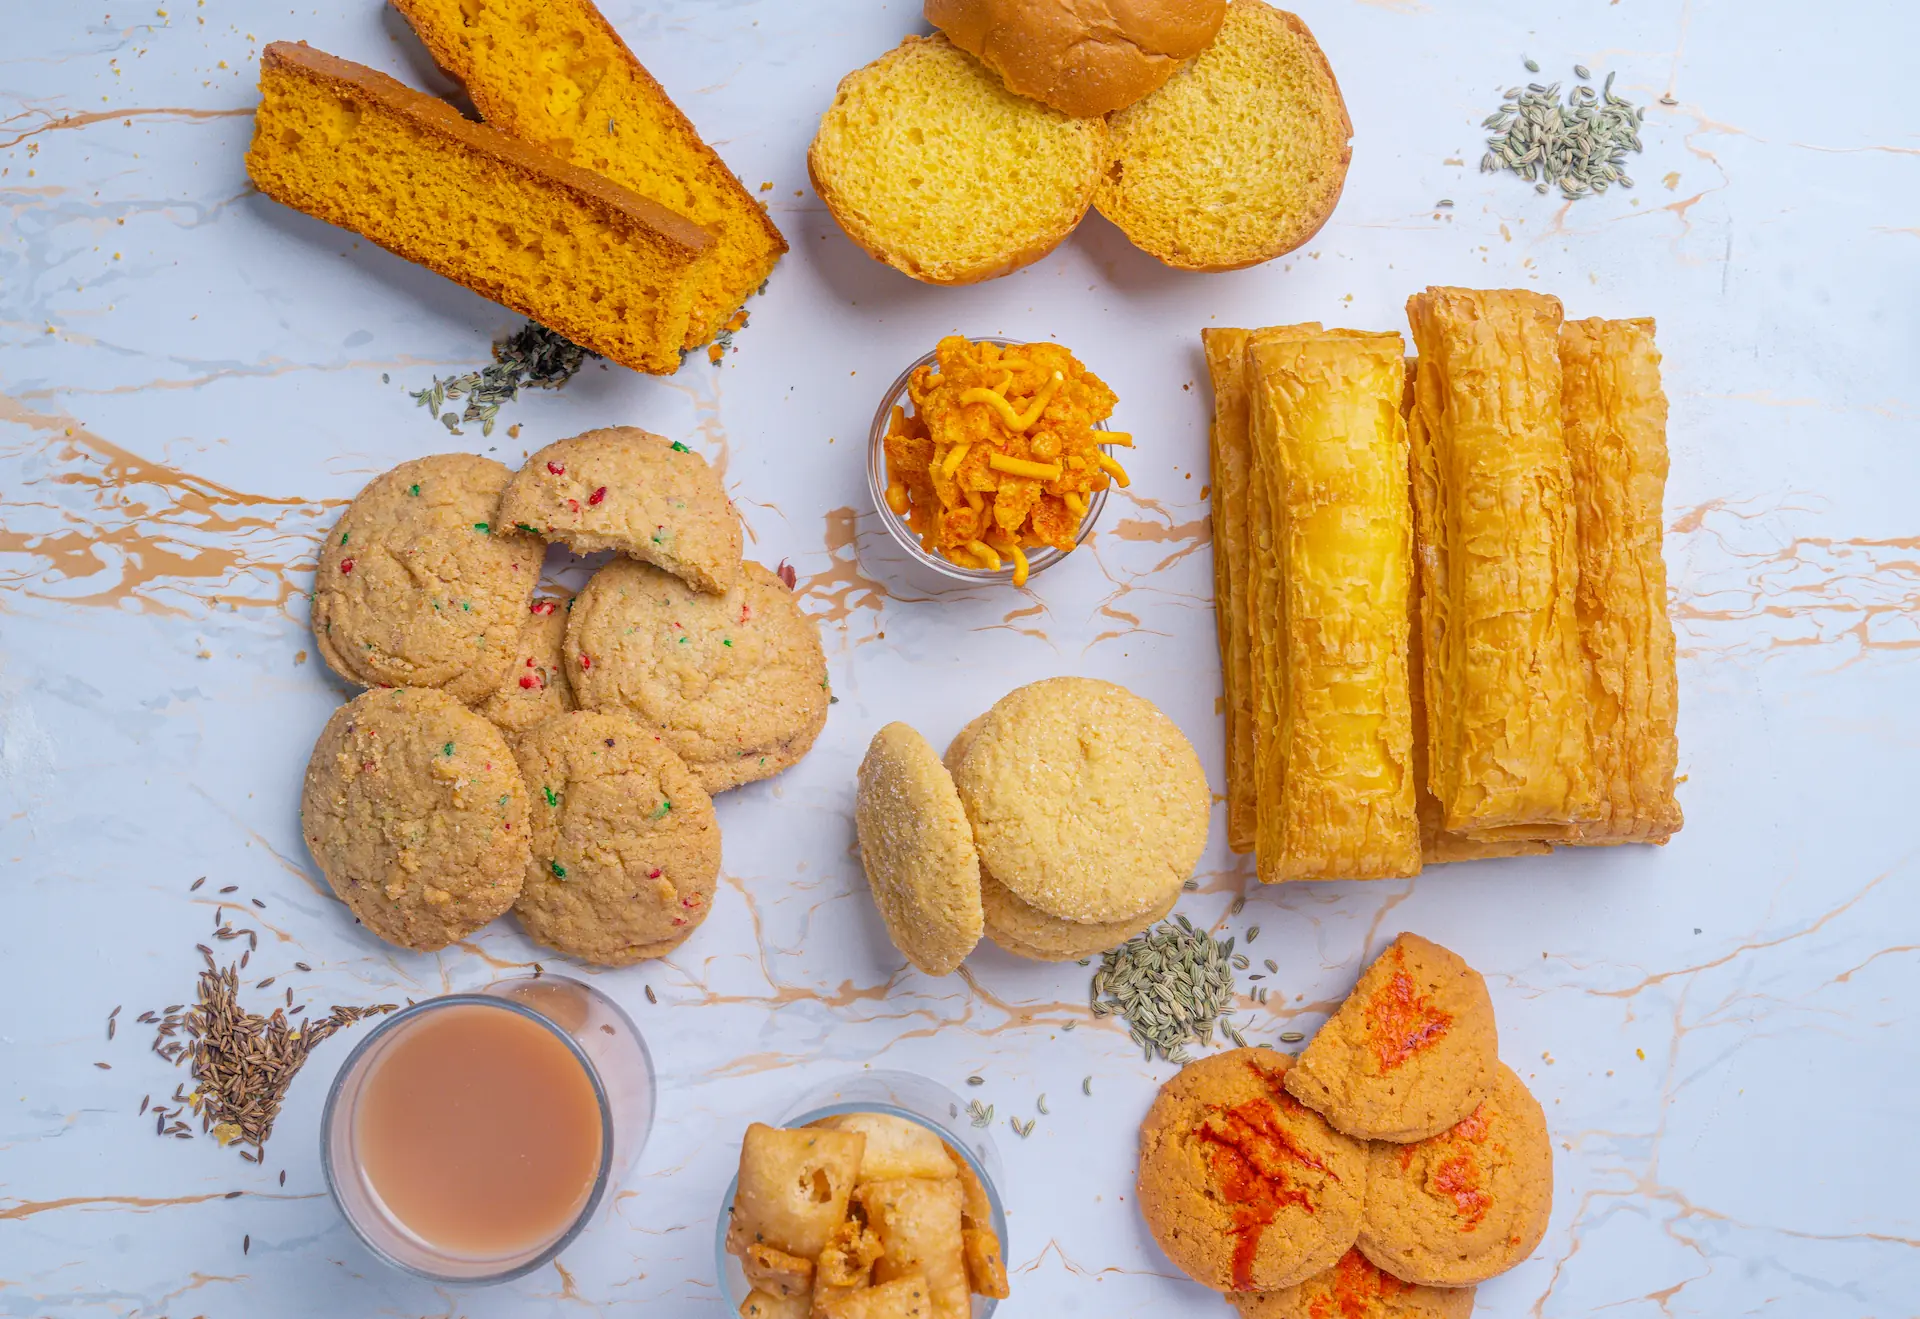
<point x="242" y="1063"/>
<point x="1173" y="985"/>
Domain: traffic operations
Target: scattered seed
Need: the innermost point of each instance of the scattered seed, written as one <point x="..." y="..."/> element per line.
<point x="981" y="1114"/>
<point x="1086" y="1087"/>
<point x="1291" y="1037"/>
<point x="976" y="1080"/>
<point x="1191" y="886"/>
<point x="1019" y="1130"/>
<point x="1239" y="905"/>
<point x="283" y="1176"/>
<point x="651" y="996"/>
<point x="1041" y="1104"/>
<point x="1533" y="66"/>
<point x="144" y="1100"/>
<point x="233" y="1195"/>
<point x="105" y="1067"/>
<point x="246" y="1244"/>
<point x="532" y="357"/>
<point x="231" y="888"/>
<point x="301" y="966"/>
<point x="1444" y="202"/>
<point x="1580" y="72"/>
<point x="196" y="883"/>
<point x="256" y="902"/>
<point x="1253" y="932"/>
<point x="1070" y="1025"/>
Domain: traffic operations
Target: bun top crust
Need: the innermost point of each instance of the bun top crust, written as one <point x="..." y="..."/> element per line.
<point x="1082" y="57"/>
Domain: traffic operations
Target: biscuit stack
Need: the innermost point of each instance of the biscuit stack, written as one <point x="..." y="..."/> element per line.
<point x="1397" y="1162"/>
<point x="556" y="756"/>
<point x="1062" y="822"/>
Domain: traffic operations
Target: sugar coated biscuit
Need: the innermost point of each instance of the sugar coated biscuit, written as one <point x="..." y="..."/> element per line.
<point x="736" y="684"/>
<point x="536" y="688"/>
<point x="1411" y="1051"/>
<point x="917" y="850"/>
<point x="624" y="489"/>
<point x="1086" y="801"/>
<point x="1458" y="1208"/>
<point x="419" y="586"/>
<point x="625" y="850"/>
<point x="1356" y="1289"/>
<point x="1244" y="1187"/>
<point x="1025" y="931"/>
<point x="415" y="813"/>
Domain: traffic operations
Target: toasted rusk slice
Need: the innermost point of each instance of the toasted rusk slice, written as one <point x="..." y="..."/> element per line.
<point x="1333" y="756"/>
<point x="1494" y="525"/>
<point x="1615" y="415"/>
<point x="1231" y="455"/>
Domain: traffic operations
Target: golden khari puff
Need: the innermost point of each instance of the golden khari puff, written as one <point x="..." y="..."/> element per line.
<point x="1615" y="416"/>
<point x="1496" y="544"/>
<point x="1000" y="454"/>
<point x="1437" y="846"/>
<point x="1334" y="732"/>
<point x="1232" y="459"/>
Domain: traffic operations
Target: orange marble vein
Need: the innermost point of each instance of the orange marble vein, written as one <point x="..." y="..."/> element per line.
<point x="148" y="530"/>
<point x="841" y="587"/>
<point x="50" y="124"/>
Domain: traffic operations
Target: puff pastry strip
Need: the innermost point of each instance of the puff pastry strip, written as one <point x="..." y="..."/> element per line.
<point x="1615" y="417"/>
<point x="1333" y="746"/>
<point x="1437" y="846"/>
<point x="1505" y="684"/>
<point x="1228" y="449"/>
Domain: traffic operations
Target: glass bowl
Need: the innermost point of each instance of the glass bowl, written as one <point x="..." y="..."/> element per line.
<point x="897" y="1094"/>
<point x="1037" y="560"/>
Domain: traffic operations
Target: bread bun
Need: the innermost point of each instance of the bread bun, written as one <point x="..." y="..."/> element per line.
<point x="935" y="168"/>
<point x="1084" y="58"/>
<point x="1240" y="157"/>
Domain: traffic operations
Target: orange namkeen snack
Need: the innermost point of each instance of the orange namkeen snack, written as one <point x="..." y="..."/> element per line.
<point x="1000" y="454"/>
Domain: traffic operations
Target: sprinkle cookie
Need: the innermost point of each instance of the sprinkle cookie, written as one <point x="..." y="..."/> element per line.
<point x="917" y="850"/>
<point x="1458" y="1208"/>
<point x="736" y="684"/>
<point x="1411" y="1051"/>
<point x="625" y="850"/>
<point x="1245" y="1188"/>
<point x="1356" y="1289"/>
<point x="536" y="688"/>
<point x="416" y="815"/>
<point x="624" y="489"/>
<point x="1086" y="801"/>
<point x="418" y="587"/>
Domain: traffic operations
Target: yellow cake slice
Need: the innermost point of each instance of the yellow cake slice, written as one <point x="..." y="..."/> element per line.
<point x="556" y="74"/>
<point x="607" y="268"/>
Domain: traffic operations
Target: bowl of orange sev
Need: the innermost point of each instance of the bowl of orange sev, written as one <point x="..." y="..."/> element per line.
<point x="990" y="459"/>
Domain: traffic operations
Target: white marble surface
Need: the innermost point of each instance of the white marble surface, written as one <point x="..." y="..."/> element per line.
<point x="191" y="381"/>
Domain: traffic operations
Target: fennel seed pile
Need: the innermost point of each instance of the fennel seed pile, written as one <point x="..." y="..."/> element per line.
<point x="1580" y="146"/>
<point x="1173" y="985"/>
<point x="532" y="357"/>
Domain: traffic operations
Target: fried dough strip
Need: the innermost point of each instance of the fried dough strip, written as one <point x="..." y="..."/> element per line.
<point x="1615" y="416"/>
<point x="1505" y="684"/>
<point x="1333" y="752"/>
<point x="1227" y="445"/>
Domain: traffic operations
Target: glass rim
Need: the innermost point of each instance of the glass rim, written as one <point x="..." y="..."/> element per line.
<point x="411" y="1013"/>
<point x="1037" y="561"/>
<point x="812" y="1115"/>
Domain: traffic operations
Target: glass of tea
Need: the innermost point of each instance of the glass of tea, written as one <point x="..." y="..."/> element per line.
<point x="471" y="1137"/>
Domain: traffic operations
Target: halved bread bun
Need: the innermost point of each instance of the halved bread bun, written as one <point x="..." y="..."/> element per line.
<point x="935" y="168"/>
<point x="1082" y="57"/>
<point x="1240" y="157"/>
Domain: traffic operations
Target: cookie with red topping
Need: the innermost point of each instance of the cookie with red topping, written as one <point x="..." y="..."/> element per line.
<point x="625" y="847"/>
<point x="1245" y="1188"/>
<point x="1355" y="1288"/>
<point x="1469" y="1203"/>
<point x="536" y="688"/>
<point x="1411" y="1051"/>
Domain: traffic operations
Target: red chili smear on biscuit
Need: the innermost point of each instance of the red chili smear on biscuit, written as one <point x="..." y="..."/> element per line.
<point x="1357" y="1289"/>
<point x="1254" y="1160"/>
<point x="1402" y="1020"/>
